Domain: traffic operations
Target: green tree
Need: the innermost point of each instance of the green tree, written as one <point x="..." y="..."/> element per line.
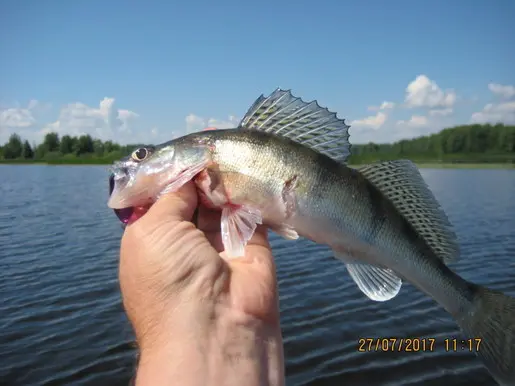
<point x="98" y="147"/>
<point x="66" y="146"/>
<point x="84" y="145"/>
<point x="13" y="147"/>
<point x="51" y="142"/>
<point x="40" y="151"/>
<point x="27" y="151"/>
<point x="108" y="147"/>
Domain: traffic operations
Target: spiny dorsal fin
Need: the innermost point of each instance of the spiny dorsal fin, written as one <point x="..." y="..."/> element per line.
<point x="403" y="184"/>
<point x="283" y="114"/>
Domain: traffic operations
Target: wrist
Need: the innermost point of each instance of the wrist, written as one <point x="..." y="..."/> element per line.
<point x="246" y="350"/>
<point x="228" y="348"/>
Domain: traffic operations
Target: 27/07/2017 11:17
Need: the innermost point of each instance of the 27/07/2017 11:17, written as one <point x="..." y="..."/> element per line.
<point x="418" y="344"/>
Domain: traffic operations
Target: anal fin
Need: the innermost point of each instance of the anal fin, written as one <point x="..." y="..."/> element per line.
<point x="238" y="224"/>
<point x="377" y="283"/>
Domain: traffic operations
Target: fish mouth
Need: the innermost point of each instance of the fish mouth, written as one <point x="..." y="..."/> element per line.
<point x="123" y="214"/>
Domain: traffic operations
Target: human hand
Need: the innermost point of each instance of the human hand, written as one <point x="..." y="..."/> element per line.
<point x="197" y="315"/>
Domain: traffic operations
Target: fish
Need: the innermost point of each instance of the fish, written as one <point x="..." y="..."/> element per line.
<point x="286" y="166"/>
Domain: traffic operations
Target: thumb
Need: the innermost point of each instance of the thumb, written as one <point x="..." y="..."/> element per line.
<point x="176" y="206"/>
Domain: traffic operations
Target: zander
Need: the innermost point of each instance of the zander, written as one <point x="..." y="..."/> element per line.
<point x="284" y="167"/>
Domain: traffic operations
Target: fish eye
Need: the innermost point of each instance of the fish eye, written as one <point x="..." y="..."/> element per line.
<point x="140" y="154"/>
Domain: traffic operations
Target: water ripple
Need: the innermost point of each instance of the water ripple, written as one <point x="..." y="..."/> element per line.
<point x="62" y="322"/>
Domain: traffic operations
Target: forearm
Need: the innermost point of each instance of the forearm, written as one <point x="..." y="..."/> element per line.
<point x="227" y="350"/>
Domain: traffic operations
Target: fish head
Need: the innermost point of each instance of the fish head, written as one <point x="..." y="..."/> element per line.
<point x="140" y="178"/>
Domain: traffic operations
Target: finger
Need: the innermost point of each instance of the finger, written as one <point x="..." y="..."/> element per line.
<point x="175" y="206"/>
<point x="215" y="239"/>
<point x="260" y="237"/>
<point x="258" y="242"/>
<point x="259" y="251"/>
<point x="258" y="261"/>
<point x="257" y="248"/>
<point x="208" y="220"/>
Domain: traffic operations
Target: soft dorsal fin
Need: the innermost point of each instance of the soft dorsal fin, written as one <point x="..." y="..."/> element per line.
<point x="283" y="114"/>
<point x="402" y="183"/>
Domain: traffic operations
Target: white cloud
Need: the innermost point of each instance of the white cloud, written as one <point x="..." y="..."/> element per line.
<point x="441" y="112"/>
<point x="414" y="121"/>
<point x="496" y="113"/>
<point x="502" y="112"/>
<point x="387" y="105"/>
<point x="107" y="121"/>
<point x="104" y="122"/>
<point x="504" y="91"/>
<point x="20" y="117"/>
<point x="384" y="106"/>
<point x="424" y="92"/>
<point x="20" y="120"/>
<point x="231" y="123"/>
<point x="195" y="123"/>
<point x="15" y="118"/>
<point x="373" y="121"/>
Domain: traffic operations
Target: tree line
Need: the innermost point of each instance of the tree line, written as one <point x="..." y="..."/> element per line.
<point x="65" y="149"/>
<point x="467" y="143"/>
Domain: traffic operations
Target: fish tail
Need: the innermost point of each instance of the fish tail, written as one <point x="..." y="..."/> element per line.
<point x="489" y="323"/>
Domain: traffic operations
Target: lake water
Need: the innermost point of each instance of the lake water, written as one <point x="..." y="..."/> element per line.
<point x="61" y="320"/>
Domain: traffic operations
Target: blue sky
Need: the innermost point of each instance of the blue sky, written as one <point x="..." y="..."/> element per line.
<point x="148" y="71"/>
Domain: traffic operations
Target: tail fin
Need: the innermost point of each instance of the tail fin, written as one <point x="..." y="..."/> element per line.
<point x="491" y="323"/>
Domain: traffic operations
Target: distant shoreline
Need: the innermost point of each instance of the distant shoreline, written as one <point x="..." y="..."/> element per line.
<point x="430" y="165"/>
<point x="461" y="147"/>
<point x="421" y="165"/>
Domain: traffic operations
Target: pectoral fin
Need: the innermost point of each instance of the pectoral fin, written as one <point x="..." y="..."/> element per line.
<point x="379" y="284"/>
<point x="238" y="225"/>
<point x="186" y="175"/>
